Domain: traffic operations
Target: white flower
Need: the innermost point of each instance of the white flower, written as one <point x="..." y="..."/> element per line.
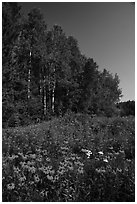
<point x="105" y="160"/>
<point x="80" y="170"/>
<point x="119" y="170"/>
<point x="100" y="170"/>
<point x="36" y="178"/>
<point x="87" y="152"/>
<point x="101" y="152"/>
<point x="48" y="159"/>
<point x="21" y="179"/>
<point x="50" y="177"/>
<point x="10" y="186"/>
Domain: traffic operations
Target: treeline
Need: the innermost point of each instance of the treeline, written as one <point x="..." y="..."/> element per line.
<point x="127" y="108"/>
<point x="44" y="72"/>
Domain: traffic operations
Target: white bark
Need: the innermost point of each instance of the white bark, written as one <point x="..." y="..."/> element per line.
<point x="40" y="87"/>
<point x="53" y="94"/>
<point x="53" y="98"/>
<point x="29" y="77"/>
<point x="45" y="98"/>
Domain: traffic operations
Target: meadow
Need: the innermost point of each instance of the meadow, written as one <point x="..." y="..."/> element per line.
<point x="75" y="158"/>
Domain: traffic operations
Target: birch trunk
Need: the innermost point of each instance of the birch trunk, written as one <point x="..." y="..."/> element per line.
<point x="40" y="87"/>
<point x="53" y="94"/>
<point x="45" y="98"/>
<point x="53" y="98"/>
<point x="29" y="77"/>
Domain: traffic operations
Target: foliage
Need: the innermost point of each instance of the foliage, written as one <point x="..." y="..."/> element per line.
<point x="126" y="108"/>
<point x="71" y="158"/>
<point x="46" y="67"/>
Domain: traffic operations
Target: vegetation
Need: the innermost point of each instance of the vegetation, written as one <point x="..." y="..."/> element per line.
<point x="72" y="158"/>
<point x="126" y="108"/>
<point x="81" y="149"/>
<point x="44" y="72"/>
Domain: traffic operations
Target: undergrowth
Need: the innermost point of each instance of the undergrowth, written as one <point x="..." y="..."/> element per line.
<point x="71" y="158"/>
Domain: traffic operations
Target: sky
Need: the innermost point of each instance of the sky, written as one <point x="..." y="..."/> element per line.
<point x="105" y="32"/>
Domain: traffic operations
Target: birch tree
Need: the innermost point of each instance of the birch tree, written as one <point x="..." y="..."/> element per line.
<point x="59" y="58"/>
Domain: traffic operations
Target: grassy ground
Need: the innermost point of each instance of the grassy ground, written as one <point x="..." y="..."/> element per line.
<point x="73" y="158"/>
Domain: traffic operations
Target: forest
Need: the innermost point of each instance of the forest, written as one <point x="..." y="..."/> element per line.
<point x="44" y="73"/>
<point x="66" y="136"/>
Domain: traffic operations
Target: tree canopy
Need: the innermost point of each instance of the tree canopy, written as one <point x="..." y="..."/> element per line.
<point x="44" y="72"/>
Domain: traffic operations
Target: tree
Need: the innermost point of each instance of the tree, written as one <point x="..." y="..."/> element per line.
<point x="10" y="27"/>
<point x="89" y="84"/>
<point x="58" y="66"/>
<point x="108" y="93"/>
<point x="76" y="63"/>
<point x="32" y="54"/>
<point x="10" y="31"/>
<point x="46" y="72"/>
<point x="126" y="108"/>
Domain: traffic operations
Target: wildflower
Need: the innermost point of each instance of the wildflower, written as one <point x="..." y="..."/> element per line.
<point x="48" y="159"/>
<point x="42" y="193"/>
<point x="73" y="155"/>
<point x="101" y="152"/>
<point x="39" y="158"/>
<point x="73" y="158"/>
<point x="64" y="148"/>
<point x="10" y="186"/>
<point x="128" y="160"/>
<point x="100" y="170"/>
<point x="50" y="177"/>
<point x="78" y="163"/>
<point x="16" y="169"/>
<point x="126" y="169"/>
<point x="44" y="169"/>
<point x="33" y="156"/>
<point x="45" y="152"/>
<point x="81" y="164"/>
<point x="110" y="153"/>
<point x="49" y="167"/>
<point x="30" y="163"/>
<point x="23" y="164"/>
<point x="25" y="157"/>
<point x="70" y="167"/>
<point x="32" y="169"/>
<point x="122" y="151"/>
<point x="61" y="171"/>
<point x="62" y="163"/>
<point x="56" y="178"/>
<point x="12" y="157"/>
<point x="21" y="179"/>
<point x="119" y="170"/>
<point x="36" y="178"/>
<point x="88" y="154"/>
<point x="116" y="153"/>
<point x="52" y="171"/>
<point x="85" y="150"/>
<point x="105" y="160"/>
<point x="77" y="157"/>
<point x="80" y="170"/>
